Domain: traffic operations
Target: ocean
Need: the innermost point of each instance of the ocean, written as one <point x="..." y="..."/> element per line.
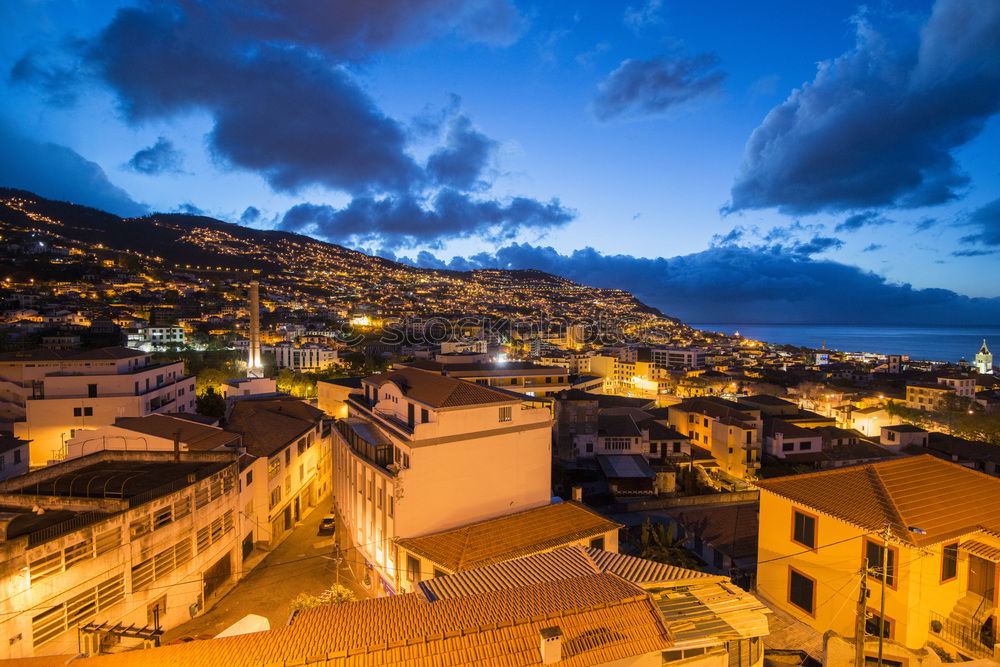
<point x="929" y="343"/>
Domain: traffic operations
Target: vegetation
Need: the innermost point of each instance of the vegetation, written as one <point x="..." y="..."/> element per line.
<point x="210" y="404"/>
<point x="336" y="594"/>
<point x="657" y="541"/>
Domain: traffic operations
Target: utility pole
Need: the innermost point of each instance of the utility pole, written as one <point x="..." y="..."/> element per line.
<point x="885" y="581"/>
<point x="337" y="559"/>
<point x="859" y="630"/>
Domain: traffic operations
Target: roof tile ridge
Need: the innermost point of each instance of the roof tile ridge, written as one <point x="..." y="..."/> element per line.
<point x="896" y="524"/>
<point x="465" y="548"/>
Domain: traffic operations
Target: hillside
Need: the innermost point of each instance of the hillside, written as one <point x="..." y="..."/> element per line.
<point x="180" y="245"/>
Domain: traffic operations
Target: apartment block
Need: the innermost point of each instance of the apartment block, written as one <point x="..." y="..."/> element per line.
<point x="114" y="539"/>
<point x="421" y="452"/>
<point x="52" y="393"/>
<point x="730" y="431"/>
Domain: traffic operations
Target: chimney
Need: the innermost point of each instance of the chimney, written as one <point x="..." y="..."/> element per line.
<point x="578" y="494"/>
<point x="254" y="366"/>
<point x="177" y="446"/>
<point x="550" y="640"/>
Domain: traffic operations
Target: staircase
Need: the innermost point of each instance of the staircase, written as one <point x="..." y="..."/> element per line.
<point x="963" y="626"/>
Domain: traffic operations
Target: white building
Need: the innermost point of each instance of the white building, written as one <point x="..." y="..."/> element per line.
<point x="984" y="360"/>
<point x="308" y="357"/>
<point x="422" y="452"/>
<point x="678" y="357"/>
<point x="144" y="539"/>
<point x="52" y="393"/>
<point x="150" y="339"/>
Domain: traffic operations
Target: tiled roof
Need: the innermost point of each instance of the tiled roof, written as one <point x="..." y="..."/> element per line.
<point x="439" y="391"/>
<point x="512" y="536"/>
<point x="731" y="529"/>
<point x="575" y="561"/>
<point x="977" y="548"/>
<point x="603" y="618"/>
<point x="194" y="435"/>
<point x="268" y="425"/>
<point x="942" y="499"/>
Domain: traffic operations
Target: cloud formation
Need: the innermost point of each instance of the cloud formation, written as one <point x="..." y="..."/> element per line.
<point x="651" y="87"/>
<point x="879" y="124"/>
<point x="864" y="219"/>
<point x="739" y="284"/>
<point x="58" y="172"/>
<point x="460" y="163"/>
<point x="987" y="219"/>
<point x="405" y="221"/>
<point x="162" y="157"/>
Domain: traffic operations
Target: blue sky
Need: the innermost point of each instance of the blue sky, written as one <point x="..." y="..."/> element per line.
<point x="724" y="160"/>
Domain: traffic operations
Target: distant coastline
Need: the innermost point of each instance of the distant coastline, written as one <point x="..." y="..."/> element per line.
<point x="934" y="343"/>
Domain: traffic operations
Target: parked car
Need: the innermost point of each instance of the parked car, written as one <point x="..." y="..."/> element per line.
<point x="328" y="526"/>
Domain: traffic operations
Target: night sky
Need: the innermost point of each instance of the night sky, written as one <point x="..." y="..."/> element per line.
<point x="724" y="160"/>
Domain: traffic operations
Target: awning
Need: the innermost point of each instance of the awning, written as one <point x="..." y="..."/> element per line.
<point x="987" y="551"/>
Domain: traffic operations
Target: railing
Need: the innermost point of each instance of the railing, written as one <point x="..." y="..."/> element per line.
<point x="970" y="638"/>
<point x="64" y="527"/>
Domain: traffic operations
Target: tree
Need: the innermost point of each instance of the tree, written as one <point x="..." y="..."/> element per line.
<point x="210" y="379"/>
<point x="336" y="594"/>
<point x="211" y="404"/>
<point x="659" y="542"/>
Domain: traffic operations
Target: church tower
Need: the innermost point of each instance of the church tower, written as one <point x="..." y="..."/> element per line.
<point x="984" y="360"/>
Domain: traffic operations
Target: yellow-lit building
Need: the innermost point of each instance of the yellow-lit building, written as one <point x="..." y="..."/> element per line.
<point x="943" y="547"/>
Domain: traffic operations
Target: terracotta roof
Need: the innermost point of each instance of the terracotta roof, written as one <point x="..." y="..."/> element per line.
<point x="575" y="561"/>
<point x="440" y="391"/>
<point x="268" y="425"/>
<point x="603" y="618"/>
<point x="512" y="536"/>
<point x="194" y="435"/>
<point x="942" y="499"/>
<point x="977" y="548"/>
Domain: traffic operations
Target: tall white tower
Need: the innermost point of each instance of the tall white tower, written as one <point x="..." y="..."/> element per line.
<point x="984" y="360"/>
<point x="255" y="369"/>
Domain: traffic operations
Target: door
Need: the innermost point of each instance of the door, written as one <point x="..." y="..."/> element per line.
<point x="288" y="517"/>
<point x="982" y="577"/>
<point x="155" y="612"/>
<point x="248" y="545"/>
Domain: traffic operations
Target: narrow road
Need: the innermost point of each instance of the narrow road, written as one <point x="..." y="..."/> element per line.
<point x="300" y="564"/>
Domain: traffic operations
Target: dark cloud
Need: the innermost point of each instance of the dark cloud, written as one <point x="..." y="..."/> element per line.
<point x="189" y="209"/>
<point x="651" y="87"/>
<point x="872" y="247"/>
<point x="859" y="220"/>
<point x="250" y="215"/>
<point x="278" y="110"/>
<point x="879" y="124"/>
<point x="57" y="81"/>
<point x="926" y="224"/>
<point x="987" y="219"/>
<point x="973" y="253"/>
<point x="460" y="163"/>
<point x="406" y="221"/>
<point x="738" y="284"/>
<point x="58" y="172"/>
<point x="161" y="157"/>
<point x="815" y="246"/>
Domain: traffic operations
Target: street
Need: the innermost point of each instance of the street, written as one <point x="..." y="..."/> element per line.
<point x="297" y="565"/>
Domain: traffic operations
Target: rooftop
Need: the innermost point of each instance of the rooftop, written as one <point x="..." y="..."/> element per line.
<point x="193" y="434"/>
<point x="943" y="499"/>
<point x="100" y="354"/>
<point x="731" y="529"/>
<point x="511" y="536"/>
<point x="269" y="424"/>
<point x="440" y="391"/>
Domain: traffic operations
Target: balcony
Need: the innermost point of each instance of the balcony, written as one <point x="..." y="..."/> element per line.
<point x="975" y="639"/>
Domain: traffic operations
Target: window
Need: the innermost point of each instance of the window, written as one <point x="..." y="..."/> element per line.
<point x="872" y="625"/>
<point x="652" y="448"/>
<point x="787" y="446"/>
<point x="874" y="552"/>
<point x="275" y="497"/>
<point x="438" y="573"/>
<point x="505" y="414"/>
<point x="804" y="529"/>
<point x="249" y="477"/>
<point x="288" y="456"/>
<point x="597" y="543"/>
<point x="77" y="412"/>
<point x="677" y="448"/>
<point x="91" y="390"/>
<point x="412" y="568"/>
<point x="88" y="412"/>
<point x="17" y="457"/>
<point x="273" y="468"/>
<point x="949" y="562"/>
<point x="424" y="416"/>
<point x="301" y="445"/>
<point x="805" y="445"/>
<point x="802" y="591"/>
